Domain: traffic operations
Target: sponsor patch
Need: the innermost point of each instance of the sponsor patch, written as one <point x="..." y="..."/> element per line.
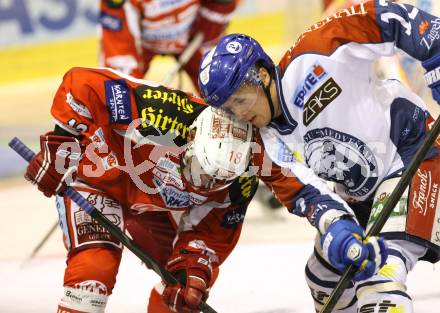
<point x="172" y="197"/>
<point x="385" y="306"/>
<point x="424" y="202"/>
<point x="243" y="189"/>
<point x="165" y="111"/>
<point x="321" y="98"/>
<point x="87" y="230"/>
<point x="397" y="219"/>
<point x="110" y="161"/>
<point x="341" y="158"/>
<point x="233" y="218"/>
<point x="197" y="199"/>
<point x="314" y="75"/>
<point x="98" y="138"/>
<point x="110" y="22"/>
<point x="77" y="107"/>
<point x="169" y="179"/>
<point x="284" y="153"/>
<point x="94" y="286"/>
<point x="167" y="165"/>
<point x="433" y="35"/>
<point x="117" y="98"/>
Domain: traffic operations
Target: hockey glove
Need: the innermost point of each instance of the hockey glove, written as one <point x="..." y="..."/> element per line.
<point x="343" y="244"/>
<point x="212" y="19"/>
<point x="196" y="271"/>
<point x="55" y="164"/>
<point x="432" y="75"/>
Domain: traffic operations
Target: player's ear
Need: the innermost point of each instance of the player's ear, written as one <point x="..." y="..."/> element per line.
<point x="264" y="76"/>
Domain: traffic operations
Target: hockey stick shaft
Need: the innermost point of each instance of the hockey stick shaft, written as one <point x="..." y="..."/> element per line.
<point x="40" y="244"/>
<point x="18" y="146"/>
<point x="385" y="213"/>
<point x="189" y="51"/>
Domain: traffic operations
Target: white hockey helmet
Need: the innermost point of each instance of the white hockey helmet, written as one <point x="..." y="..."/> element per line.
<point x="221" y="149"/>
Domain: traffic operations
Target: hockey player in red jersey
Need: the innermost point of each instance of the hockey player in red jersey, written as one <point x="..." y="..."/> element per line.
<point x="138" y="152"/>
<point x="325" y="117"/>
<point x="134" y="31"/>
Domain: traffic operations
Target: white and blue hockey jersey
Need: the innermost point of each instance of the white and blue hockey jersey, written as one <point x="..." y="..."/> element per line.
<point x="340" y="123"/>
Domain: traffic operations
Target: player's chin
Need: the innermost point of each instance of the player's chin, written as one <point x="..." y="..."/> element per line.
<point x="259" y="121"/>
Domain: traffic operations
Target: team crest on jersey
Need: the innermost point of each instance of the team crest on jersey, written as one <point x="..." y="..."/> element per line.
<point x="314" y="75"/>
<point x="320" y="99"/>
<point x="341" y="158"/>
<point x="117" y="99"/>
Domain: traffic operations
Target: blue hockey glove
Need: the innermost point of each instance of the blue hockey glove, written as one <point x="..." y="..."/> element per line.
<point x="343" y="244"/>
<point x="432" y="75"/>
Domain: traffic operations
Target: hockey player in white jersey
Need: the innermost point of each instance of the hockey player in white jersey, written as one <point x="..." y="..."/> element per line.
<point x="324" y="116"/>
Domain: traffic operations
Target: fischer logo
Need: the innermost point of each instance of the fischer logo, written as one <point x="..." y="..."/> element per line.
<point x="420" y="198"/>
<point x="313" y="76"/>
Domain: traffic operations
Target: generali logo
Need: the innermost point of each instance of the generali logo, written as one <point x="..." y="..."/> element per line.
<point x="422" y="190"/>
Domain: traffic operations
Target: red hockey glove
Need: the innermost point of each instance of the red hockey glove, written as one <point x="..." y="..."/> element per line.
<point x="212" y="19"/>
<point x="55" y="164"/>
<point x="196" y="270"/>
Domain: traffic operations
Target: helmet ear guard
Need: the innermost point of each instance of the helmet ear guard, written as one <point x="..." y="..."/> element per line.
<point x="221" y="147"/>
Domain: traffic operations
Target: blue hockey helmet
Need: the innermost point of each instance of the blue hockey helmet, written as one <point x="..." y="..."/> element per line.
<point x="232" y="62"/>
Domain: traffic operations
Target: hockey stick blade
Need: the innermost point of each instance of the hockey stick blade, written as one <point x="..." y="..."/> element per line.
<point x="18" y="146"/>
<point x="385" y="213"/>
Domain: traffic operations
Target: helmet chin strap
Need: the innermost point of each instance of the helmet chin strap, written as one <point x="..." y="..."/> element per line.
<point x="269" y="97"/>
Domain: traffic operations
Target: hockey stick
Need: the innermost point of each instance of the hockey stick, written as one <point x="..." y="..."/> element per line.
<point x="190" y="49"/>
<point x="375" y="229"/>
<point x="18" y="146"/>
<point x="40" y="244"/>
